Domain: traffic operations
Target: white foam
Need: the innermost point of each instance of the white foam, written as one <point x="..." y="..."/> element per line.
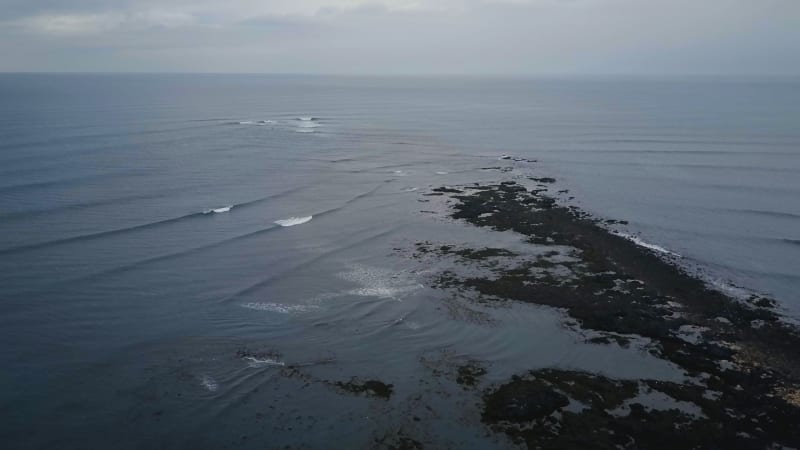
<point x="209" y="383"/>
<point x="378" y="282"/>
<point x="408" y="323"/>
<point x="376" y="291"/>
<point x="255" y="362"/>
<point x="692" y="334"/>
<point x="730" y="289"/>
<point x="652" y="400"/>
<point x="441" y="173"/>
<point x="306" y="124"/>
<point x="224" y="209"/>
<point x="292" y="221"/>
<point x="412" y="325"/>
<point x="409" y="189"/>
<point x="246" y="122"/>
<point x="279" y="308"/>
<point x="400" y="173"/>
<point x="646" y="245"/>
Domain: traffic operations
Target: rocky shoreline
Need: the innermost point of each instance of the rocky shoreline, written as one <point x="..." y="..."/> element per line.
<point x="742" y="360"/>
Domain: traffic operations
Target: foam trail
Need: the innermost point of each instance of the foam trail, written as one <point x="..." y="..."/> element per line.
<point x="292" y="221"/>
<point x="209" y="383"/>
<point x="279" y="308"/>
<point x="644" y="244"/>
<point x="255" y="362"/>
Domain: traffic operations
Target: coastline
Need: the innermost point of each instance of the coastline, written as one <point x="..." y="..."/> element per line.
<point x="742" y="360"/>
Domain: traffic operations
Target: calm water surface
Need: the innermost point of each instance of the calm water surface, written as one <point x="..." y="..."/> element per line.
<point x="124" y="297"/>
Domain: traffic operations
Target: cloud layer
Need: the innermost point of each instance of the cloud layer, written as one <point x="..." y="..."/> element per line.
<point x="403" y="36"/>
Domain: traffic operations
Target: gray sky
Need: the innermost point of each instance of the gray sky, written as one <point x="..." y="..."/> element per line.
<point x="510" y="37"/>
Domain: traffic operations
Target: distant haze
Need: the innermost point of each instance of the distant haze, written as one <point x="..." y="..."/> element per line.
<point x="476" y="37"/>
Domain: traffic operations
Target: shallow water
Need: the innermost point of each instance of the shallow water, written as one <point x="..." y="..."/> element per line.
<point x="153" y="226"/>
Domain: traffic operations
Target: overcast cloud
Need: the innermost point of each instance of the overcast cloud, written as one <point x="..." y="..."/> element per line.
<point x="516" y="37"/>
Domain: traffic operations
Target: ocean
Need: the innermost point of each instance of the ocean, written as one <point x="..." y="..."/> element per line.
<point x="176" y="250"/>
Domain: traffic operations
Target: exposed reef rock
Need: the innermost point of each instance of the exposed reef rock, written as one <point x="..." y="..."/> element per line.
<point x="741" y="359"/>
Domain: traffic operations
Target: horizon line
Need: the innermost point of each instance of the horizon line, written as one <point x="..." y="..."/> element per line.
<point x="416" y="75"/>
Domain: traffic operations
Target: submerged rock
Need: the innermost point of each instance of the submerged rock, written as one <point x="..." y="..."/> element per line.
<point x="371" y="388"/>
<point x="469" y="374"/>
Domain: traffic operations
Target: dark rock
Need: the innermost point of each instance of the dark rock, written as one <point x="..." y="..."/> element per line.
<point x="372" y="388"/>
<point x="522" y="401"/>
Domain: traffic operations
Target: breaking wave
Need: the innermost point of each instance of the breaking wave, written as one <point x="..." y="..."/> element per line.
<point x="292" y="221"/>
<point x="224" y="209"/>
<point x="638" y="241"/>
